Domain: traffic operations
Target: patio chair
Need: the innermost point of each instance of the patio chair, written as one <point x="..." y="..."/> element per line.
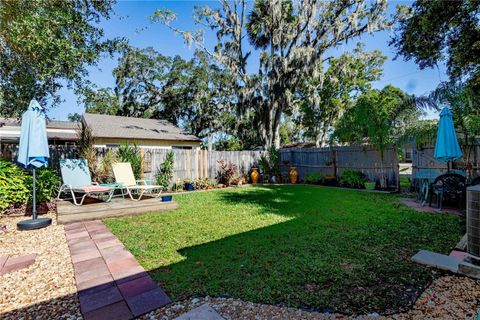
<point x="76" y="179"/>
<point x="449" y="186"/>
<point x="124" y="174"/>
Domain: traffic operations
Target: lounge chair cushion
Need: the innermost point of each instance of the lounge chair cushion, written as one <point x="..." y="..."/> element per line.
<point x="93" y="188"/>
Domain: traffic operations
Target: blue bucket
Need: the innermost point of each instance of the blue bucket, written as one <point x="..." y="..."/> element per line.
<point x="166" y="198"/>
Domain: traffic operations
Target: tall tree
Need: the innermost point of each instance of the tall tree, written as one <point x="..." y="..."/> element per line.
<point x="377" y="117"/>
<point x="326" y="95"/>
<point x="44" y="43"/>
<point x="292" y="39"/>
<point x="464" y="102"/>
<point x="195" y="94"/>
<point x="433" y="31"/>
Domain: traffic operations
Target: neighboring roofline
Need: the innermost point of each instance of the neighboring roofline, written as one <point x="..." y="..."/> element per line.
<point x="148" y="139"/>
<point x="186" y="136"/>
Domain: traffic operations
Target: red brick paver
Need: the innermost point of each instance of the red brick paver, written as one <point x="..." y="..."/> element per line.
<point x="417" y="205"/>
<point x="10" y="264"/>
<point x="110" y="282"/>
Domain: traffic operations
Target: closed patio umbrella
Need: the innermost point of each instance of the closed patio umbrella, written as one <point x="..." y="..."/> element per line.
<point x="33" y="153"/>
<point x="446" y="146"/>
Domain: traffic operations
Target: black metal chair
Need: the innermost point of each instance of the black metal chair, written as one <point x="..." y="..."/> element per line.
<point x="450" y="186"/>
<point x="475" y="181"/>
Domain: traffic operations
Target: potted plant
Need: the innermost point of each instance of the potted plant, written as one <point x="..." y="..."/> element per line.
<point x="188" y="185"/>
<point x="370" y="185"/>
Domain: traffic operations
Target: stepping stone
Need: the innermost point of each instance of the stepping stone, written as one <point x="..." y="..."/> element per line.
<point x="97" y="299"/>
<point x="116" y="311"/>
<point x="14" y="264"/>
<point x="137" y="286"/>
<point x="148" y="301"/>
<point x="86" y="256"/>
<point x="458" y="254"/>
<point x="97" y="282"/>
<point x="3" y="259"/>
<point x="204" y="312"/>
<point x="437" y="260"/>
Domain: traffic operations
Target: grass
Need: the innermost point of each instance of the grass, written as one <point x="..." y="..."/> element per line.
<point x="299" y="246"/>
<point x="404" y="183"/>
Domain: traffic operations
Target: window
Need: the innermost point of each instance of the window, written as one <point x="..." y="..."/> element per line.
<point x="182" y="147"/>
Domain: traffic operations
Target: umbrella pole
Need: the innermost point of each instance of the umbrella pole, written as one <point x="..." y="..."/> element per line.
<point x="34" y="200"/>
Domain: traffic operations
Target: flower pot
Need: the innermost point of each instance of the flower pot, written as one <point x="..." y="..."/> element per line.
<point x="189" y="186"/>
<point x="166" y="198"/>
<point x="370" y="185"/>
<point x="254" y="175"/>
<point x="293" y="175"/>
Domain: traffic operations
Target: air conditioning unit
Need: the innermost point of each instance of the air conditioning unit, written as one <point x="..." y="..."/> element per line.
<point x="473" y="221"/>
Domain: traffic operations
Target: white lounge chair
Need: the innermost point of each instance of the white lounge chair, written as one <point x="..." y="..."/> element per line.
<point x="76" y="179"/>
<point x="124" y="175"/>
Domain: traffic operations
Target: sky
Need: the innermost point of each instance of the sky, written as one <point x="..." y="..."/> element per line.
<point x="131" y="21"/>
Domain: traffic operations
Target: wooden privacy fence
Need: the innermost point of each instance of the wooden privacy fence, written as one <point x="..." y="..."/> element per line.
<point x="423" y="159"/>
<point x="194" y="164"/>
<point x="190" y="164"/>
<point x="334" y="160"/>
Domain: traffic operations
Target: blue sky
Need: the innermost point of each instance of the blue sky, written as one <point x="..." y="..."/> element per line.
<point x="131" y="20"/>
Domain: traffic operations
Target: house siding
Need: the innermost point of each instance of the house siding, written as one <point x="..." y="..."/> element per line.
<point x="144" y="143"/>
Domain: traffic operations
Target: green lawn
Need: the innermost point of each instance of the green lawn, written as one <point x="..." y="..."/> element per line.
<point x="299" y="246"/>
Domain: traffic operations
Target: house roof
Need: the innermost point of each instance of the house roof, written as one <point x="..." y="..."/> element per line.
<point x="53" y="124"/>
<point x="106" y="126"/>
<point x="56" y="130"/>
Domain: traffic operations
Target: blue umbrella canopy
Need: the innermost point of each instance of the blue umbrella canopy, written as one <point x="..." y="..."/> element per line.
<point x="446" y="146"/>
<point x="33" y="149"/>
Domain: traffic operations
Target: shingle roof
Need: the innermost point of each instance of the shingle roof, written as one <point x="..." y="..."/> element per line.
<point x="106" y="126"/>
<point x="54" y="124"/>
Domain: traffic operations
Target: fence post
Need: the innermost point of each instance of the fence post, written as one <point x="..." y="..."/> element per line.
<point x="396" y="167"/>
<point x="334" y="162"/>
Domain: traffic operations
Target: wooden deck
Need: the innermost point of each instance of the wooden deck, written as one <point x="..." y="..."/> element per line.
<point x="67" y="212"/>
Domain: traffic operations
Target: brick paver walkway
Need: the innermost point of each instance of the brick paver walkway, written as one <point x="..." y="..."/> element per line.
<point x="10" y="264"/>
<point x="110" y="282"/>
<point x="416" y="205"/>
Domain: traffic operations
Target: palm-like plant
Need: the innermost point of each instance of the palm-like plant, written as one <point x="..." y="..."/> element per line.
<point x="465" y="105"/>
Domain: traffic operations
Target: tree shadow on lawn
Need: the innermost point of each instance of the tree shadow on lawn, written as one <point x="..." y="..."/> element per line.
<point x="343" y="251"/>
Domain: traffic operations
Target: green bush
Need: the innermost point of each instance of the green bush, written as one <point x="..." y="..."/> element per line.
<point x="16" y="185"/>
<point x="47" y="184"/>
<point x="203" y="184"/>
<point x="13" y="186"/>
<point x="131" y="153"/>
<point x="270" y="163"/>
<point x="314" y="178"/>
<point x="165" y="172"/>
<point x="352" y="179"/>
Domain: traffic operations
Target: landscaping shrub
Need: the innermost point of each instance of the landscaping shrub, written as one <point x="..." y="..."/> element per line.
<point x="131" y="153"/>
<point x="314" y="178"/>
<point x="47" y="184"/>
<point x="165" y="172"/>
<point x="203" y="184"/>
<point x="100" y="170"/>
<point x="226" y="172"/>
<point x="270" y="162"/>
<point x="352" y="179"/>
<point x="16" y="185"/>
<point x="13" y="187"/>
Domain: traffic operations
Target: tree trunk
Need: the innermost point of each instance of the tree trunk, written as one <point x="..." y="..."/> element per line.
<point x="209" y="142"/>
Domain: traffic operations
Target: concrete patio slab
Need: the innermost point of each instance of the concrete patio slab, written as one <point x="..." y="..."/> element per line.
<point x="437" y="260"/>
<point x="204" y="312"/>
